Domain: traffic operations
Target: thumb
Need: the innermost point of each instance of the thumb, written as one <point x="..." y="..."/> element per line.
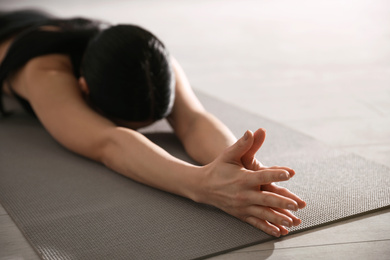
<point x="234" y="153"/>
<point x="259" y="137"/>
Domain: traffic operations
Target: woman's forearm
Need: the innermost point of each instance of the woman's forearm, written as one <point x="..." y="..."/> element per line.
<point x="133" y="155"/>
<point x="207" y="138"/>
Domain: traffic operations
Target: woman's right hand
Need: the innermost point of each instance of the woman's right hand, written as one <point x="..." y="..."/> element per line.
<point x="228" y="185"/>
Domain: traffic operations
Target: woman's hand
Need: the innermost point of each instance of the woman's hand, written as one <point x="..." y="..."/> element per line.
<point x="250" y="162"/>
<point x="239" y="185"/>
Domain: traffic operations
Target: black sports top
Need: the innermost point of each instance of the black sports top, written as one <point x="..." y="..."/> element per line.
<point x="31" y="41"/>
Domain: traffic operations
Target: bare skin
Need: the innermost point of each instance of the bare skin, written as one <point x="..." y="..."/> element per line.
<point x="231" y="178"/>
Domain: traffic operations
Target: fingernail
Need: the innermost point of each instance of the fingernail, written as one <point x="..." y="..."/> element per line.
<point x="286" y="223"/>
<point x="275" y="234"/>
<point x="284" y="176"/>
<point x="246" y="135"/>
<point x="292" y="207"/>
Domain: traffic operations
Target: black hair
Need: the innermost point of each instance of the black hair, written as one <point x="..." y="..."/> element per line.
<point x="129" y="74"/>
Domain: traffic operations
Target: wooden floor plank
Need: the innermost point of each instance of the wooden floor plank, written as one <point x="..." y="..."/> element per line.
<point x="13" y="244"/>
<point x="374" y="250"/>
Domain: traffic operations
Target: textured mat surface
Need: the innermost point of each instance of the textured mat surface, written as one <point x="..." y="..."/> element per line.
<point x="72" y="208"/>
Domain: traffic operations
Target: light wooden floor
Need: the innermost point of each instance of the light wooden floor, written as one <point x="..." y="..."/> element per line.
<point x="318" y="67"/>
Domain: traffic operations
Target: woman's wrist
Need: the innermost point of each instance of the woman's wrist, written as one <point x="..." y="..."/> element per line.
<point x="195" y="189"/>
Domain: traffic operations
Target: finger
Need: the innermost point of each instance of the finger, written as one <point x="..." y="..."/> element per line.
<point x="271" y="215"/>
<point x="296" y="221"/>
<point x="283" y="230"/>
<point x="264" y="226"/>
<point x="234" y="153"/>
<point x="252" y="164"/>
<point x="290" y="171"/>
<point x="259" y="137"/>
<point x="273" y="200"/>
<point x="268" y="176"/>
<point x="284" y="192"/>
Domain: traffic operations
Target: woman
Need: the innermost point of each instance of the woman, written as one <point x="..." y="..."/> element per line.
<point x="92" y="88"/>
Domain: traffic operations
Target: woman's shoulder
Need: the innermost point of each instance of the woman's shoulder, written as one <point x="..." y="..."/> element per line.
<point x="50" y="63"/>
<point x="38" y="69"/>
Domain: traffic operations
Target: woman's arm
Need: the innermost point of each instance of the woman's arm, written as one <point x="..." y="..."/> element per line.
<point x="49" y="85"/>
<point x="204" y="136"/>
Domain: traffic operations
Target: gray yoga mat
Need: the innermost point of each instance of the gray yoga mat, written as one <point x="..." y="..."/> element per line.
<point x="69" y="207"/>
